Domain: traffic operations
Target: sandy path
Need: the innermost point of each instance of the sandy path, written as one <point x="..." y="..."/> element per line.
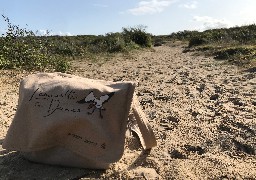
<point x="202" y="111"/>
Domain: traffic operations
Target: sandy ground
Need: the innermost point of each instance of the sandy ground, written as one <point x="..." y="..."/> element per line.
<point x="203" y="113"/>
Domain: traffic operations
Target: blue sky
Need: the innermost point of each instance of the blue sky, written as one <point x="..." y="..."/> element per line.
<point x="162" y="17"/>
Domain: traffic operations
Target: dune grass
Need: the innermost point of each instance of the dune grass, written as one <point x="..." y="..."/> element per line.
<point x="21" y="48"/>
<point x="236" y="45"/>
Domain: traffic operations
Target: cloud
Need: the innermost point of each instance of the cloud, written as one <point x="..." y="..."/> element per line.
<point x="44" y="32"/>
<point x="190" y="5"/>
<point x="211" y="23"/>
<point x="150" y="7"/>
<point x="64" y="33"/>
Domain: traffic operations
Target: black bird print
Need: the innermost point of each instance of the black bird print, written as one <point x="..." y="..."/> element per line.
<point x="96" y="103"/>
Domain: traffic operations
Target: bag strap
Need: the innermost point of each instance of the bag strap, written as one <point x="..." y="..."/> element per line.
<point x="141" y="126"/>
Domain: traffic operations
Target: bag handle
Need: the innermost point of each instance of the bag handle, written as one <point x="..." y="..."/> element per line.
<point x="141" y="126"/>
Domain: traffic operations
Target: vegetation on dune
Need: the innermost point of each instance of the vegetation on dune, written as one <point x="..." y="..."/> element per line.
<point x="23" y="49"/>
<point x="137" y="35"/>
<point x="236" y="44"/>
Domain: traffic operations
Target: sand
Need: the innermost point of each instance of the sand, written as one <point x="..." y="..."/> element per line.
<point x="202" y="111"/>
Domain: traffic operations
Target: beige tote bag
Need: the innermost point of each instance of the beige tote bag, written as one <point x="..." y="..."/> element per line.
<point x="72" y="121"/>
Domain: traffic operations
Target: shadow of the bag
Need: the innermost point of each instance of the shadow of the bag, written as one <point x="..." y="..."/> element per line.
<point x="14" y="166"/>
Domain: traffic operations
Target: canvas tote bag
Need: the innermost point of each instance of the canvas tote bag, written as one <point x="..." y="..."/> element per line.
<point x="72" y="121"/>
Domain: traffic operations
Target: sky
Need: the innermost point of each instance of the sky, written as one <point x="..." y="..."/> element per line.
<point x="95" y="17"/>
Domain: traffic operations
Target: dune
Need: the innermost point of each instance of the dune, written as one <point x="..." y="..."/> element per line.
<point x="203" y="113"/>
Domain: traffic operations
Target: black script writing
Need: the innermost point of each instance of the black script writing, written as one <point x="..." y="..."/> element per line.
<point x="75" y="136"/>
<point x="54" y="102"/>
<point x="56" y="105"/>
<point x="33" y="94"/>
<point x="90" y="142"/>
<point x="103" y="146"/>
<point x="85" y="140"/>
<point x="69" y="94"/>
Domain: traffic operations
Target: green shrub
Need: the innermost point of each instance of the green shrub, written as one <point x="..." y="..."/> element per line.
<point x="158" y="42"/>
<point x="111" y="42"/>
<point x="196" y="41"/>
<point x="235" y="44"/>
<point x="184" y="35"/>
<point x="61" y="64"/>
<point x="115" y="42"/>
<point x="243" y="34"/>
<point x="233" y="52"/>
<point x="138" y="35"/>
<point x="20" y="48"/>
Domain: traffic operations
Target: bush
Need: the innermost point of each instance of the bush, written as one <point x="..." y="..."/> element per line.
<point x="235" y="44"/>
<point x="158" y="42"/>
<point x="115" y="42"/>
<point x="61" y="64"/>
<point x="243" y="34"/>
<point x="111" y="42"/>
<point x="138" y="35"/>
<point x="20" y="48"/>
<point x="229" y="53"/>
<point x="184" y="35"/>
<point x="196" y="41"/>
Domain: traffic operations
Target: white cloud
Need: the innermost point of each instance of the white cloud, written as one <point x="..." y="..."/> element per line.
<point x="44" y="32"/>
<point x="190" y="5"/>
<point x="64" y="33"/>
<point x="211" y="23"/>
<point x="150" y="7"/>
